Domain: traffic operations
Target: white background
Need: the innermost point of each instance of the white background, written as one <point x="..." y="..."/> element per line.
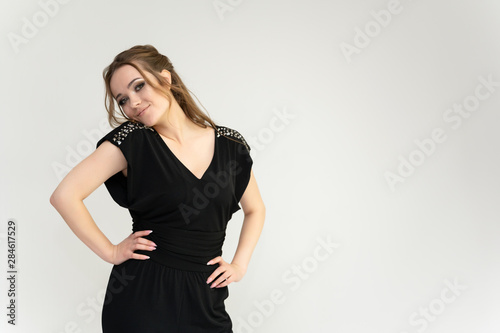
<point x="325" y="129"/>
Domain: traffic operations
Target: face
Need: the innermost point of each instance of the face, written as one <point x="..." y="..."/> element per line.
<point x="138" y="100"/>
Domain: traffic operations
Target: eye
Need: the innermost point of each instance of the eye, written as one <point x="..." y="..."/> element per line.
<point x="122" y="101"/>
<point x="139" y="86"/>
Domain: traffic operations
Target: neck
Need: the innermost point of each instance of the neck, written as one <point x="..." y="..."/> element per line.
<point x="174" y="124"/>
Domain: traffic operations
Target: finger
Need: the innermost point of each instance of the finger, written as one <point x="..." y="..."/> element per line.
<point x="214" y="261"/>
<point x="225" y="283"/>
<point x="144" y="247"/>
<point x="219" y="282"/>
<point x="221" y="278"/>
<point x="139" y="256"/>
<point x="141" y="233"/>
<point x="144" y="241"/>
<point x="220" y="270"/>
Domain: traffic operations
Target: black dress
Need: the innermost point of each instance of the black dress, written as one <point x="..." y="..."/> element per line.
<point x="188" y="216"/>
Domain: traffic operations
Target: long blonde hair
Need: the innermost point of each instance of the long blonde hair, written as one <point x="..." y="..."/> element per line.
<point x="147" y="58"/>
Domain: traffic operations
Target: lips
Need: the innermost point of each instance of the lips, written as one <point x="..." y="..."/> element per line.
<point x="140" y="113"/>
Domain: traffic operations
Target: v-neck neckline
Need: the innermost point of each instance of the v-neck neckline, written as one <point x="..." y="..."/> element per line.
<point x="182" y="164"/>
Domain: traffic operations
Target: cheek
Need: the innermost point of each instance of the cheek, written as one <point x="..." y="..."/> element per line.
<point x="148" y="94"/>
<point x="156" y="97"/>
<point x="127" y="111"/>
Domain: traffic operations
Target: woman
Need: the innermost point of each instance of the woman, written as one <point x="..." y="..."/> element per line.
<point x="181" y="177"/>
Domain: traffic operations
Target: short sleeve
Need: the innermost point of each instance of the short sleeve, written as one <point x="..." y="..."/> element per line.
<point x="122" y="137"/>
<point x="244" y="169"/>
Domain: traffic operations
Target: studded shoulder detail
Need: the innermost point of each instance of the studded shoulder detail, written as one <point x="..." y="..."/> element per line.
<point x="127" y="128"/>
<point x="233" y="134"/>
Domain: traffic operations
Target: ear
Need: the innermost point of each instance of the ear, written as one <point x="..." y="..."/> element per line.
<point x="166" y="74"/>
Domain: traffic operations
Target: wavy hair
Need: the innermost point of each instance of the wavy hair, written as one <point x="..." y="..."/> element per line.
<point x="146" y="58"/>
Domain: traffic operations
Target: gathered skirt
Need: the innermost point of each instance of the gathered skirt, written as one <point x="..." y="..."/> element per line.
<point x="144" y="296"/>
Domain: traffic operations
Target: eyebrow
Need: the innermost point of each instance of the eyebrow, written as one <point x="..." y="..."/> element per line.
<point x="130" y="83"/>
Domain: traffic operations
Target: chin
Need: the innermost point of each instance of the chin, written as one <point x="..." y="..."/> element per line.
<point x="147" y="121"/>
<point x="144" y="122"/>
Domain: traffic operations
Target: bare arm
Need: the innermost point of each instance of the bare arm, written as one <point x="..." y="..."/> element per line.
<point x="255" y="212"/>
<point x="78" y="184"/>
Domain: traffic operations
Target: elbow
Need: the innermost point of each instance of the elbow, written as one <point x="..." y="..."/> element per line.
<point x="57" y="198"/>
<point x="54" y="199"/>
<point x="64" y="196"/>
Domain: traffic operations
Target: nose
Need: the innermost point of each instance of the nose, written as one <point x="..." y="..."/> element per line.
<point x="135" y="100"/>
